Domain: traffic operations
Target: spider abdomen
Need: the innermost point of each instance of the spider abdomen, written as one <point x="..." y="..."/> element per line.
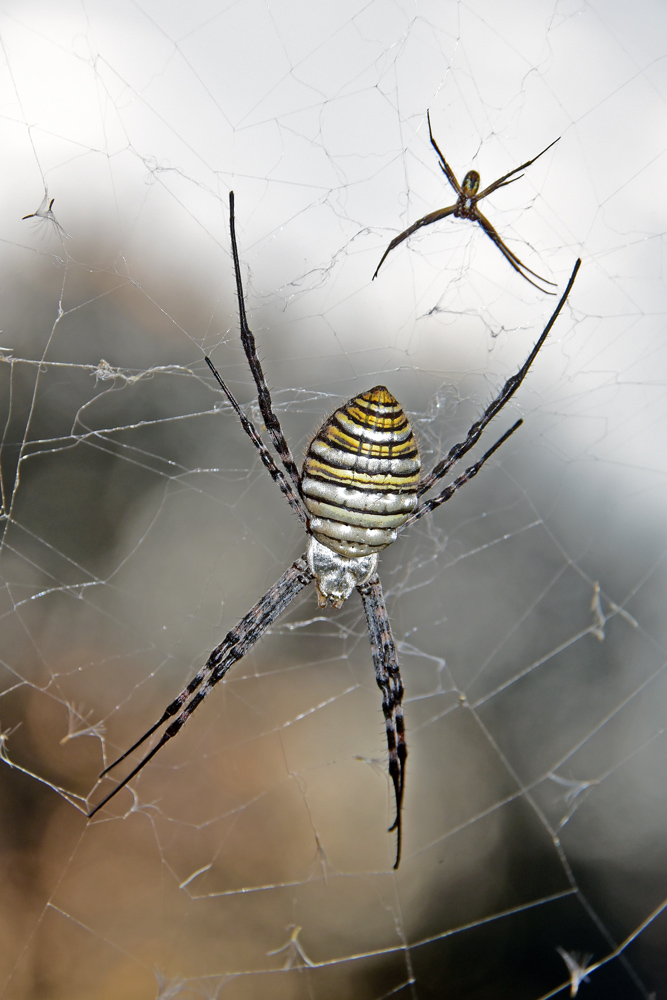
<point x="360" y="475"/>
<point x="466" y="205"/>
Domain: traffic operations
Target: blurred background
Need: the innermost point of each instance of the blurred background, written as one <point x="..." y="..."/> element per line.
<point x="251" y="857"/>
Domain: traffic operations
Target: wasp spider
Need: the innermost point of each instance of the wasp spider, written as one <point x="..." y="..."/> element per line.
<point x="359" y="486"/>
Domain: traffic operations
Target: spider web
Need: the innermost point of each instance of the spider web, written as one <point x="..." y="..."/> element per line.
<point x="251" y="858"/>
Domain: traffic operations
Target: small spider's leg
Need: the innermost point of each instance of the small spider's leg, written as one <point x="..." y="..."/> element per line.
<point x="494" y="187"/>
<point x="441" y="213"/>
<point x="509" y="256"/>
<point x="41" y="212"/>
<point x="463" y="447"/>
<point x="388" y="677"/>
<point x="238" y="641"/>
<point x="264" y="396"/>
<point x="444" y="166"/>
<point x="449" y="491"/>
<point x="293" y="499"/>
<point x="502" y="181"/>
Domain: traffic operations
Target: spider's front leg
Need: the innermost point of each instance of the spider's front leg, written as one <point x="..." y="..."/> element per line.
<point x="388" y="677"/>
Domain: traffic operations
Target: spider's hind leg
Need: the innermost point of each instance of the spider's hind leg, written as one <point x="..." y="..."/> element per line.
<point x="238" y="641"/>
<point x="388" y="677"/>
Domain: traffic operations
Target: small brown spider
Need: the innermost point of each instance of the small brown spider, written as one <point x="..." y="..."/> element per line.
<point x="466" y="208"/>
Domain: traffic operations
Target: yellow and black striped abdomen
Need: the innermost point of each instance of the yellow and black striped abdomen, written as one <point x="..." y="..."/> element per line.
<point x="360" y="475"/>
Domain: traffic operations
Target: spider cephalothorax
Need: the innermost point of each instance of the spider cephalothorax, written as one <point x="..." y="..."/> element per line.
<point x="359" y="486"/>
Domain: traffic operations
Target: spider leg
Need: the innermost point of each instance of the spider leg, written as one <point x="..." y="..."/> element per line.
<point x="293" y="499"/>
<point x="502" y="181"/>
<point x="444" y="166"/>
<point x="509" y="256"/>
<point x="449" y="491"/>
<point x="264" y="396"/>
<point x="441" y="213"/>
<point x="463" y="447"/>
<point x="238" y="641"/>
<point x="388" y="677"/>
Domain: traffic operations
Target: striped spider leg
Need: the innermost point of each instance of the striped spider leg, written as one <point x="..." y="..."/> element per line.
<point x="360" y="484"/>
<point x="468" y="195"/>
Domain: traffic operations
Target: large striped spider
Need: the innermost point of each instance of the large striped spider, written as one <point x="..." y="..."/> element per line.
<point x="360" y="484"/>
<point x="465" y="207"/>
